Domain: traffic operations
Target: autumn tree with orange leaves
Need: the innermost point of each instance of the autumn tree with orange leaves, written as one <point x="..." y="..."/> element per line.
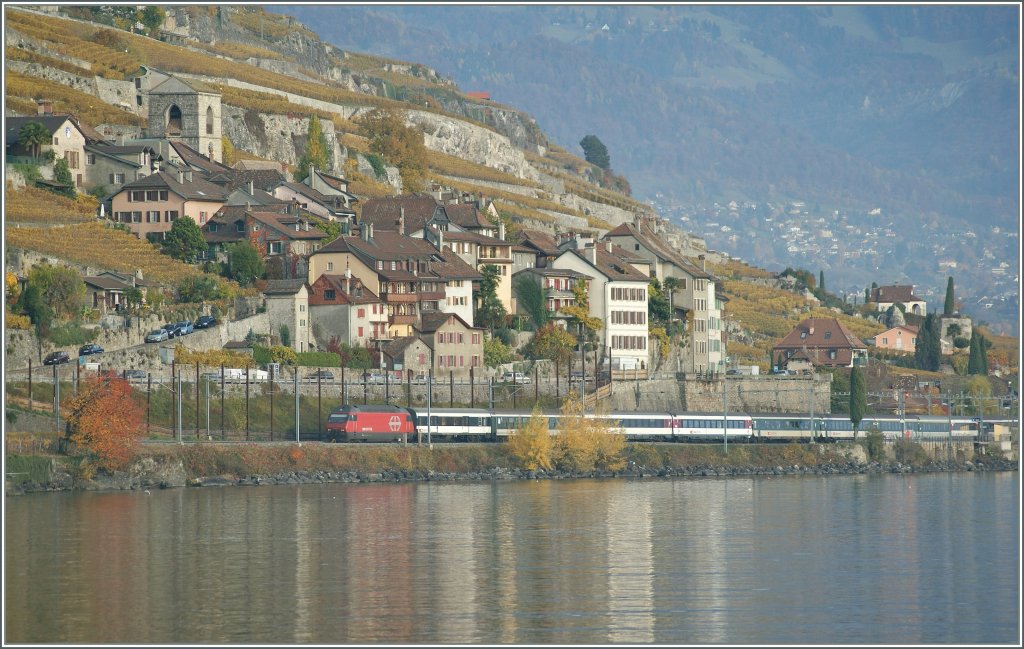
<point x="105" y="418"/>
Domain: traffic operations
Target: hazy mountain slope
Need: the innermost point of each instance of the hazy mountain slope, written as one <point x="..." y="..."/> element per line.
<point x="794" y="90"/>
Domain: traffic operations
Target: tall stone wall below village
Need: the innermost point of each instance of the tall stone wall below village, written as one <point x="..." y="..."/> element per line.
<point x="746" y="394"/>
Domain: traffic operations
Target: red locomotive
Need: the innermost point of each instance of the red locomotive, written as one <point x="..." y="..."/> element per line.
<point x="370" y="423"/>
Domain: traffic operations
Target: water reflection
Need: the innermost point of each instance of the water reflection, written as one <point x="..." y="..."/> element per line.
<point x="907" y="559"/>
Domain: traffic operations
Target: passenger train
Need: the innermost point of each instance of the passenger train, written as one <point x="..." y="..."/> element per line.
<point x="394" y="423"/>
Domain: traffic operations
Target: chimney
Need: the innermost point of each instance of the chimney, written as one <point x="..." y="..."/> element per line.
<point x="188" y="175"/>
<point x="592" y="248"/>
<point x="810" y="331"/>
<point x="401" y="221"/>
<point x="608" y="245"/>
<point x="311" y="169"/>
<point x="181" y="176"/>
<point x="440" y="240"/>
<point x="248" y="206"/>
<point x="703" y="263"/>
<point x="501" y="230"/>
<point x="348" y="279"/>
<point x="252" y="189"/>
<point x="44" y="107"/>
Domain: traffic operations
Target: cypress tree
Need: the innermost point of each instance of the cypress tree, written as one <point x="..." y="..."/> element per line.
<point x="977" y="363"/>
<point x="947" y="308"/>
<point x="821" y="281"/>
<point x="928" y="348"/>
<point x="858" y="399"/>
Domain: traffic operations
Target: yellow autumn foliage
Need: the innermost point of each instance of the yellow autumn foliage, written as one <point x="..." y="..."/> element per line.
<point x="586" y="443"/>
<point x="531" y="444"/>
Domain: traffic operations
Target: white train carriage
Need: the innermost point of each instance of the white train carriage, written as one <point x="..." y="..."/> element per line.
<point x="455" y="424"/>
<point x="710" y="426"/>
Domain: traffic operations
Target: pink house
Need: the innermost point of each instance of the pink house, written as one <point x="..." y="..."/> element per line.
<point x="902" y="338"/>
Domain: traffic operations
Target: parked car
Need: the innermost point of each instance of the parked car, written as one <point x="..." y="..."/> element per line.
<point x="172" y="329"/>
<point x="204" y="321"/>
<point x="373" y="377"/>
<point x="210" y="376"/>
<point x="419" y="379"/>
<point x="157" y="336"/>
<point x="56" y="358"/>
<point x="732" y="372"/>
<point x="135" y="375"/>
<point x="324" y="376"/>
<point x="515" y="377"/>
<point x="185" y="326"/>
<point x="91" y="348"/>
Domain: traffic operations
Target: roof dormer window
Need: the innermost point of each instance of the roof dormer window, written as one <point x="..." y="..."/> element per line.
<point x="828" y="334"/>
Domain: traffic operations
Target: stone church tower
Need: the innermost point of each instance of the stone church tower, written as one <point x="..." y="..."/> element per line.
<point x="181" y="111"/>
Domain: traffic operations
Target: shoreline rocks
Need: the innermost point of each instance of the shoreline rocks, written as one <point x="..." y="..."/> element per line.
<point x="157" y="476"/>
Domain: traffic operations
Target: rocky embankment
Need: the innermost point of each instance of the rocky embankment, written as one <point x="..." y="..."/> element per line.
<point x="149" y="473"/>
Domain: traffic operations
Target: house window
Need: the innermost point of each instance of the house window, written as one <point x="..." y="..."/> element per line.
<point x="273" y="247"/>
<point x="136" y="217"/>
<point x="302" y="308"/>
<point x="329" y="294"/>
<point x="202" y="217"/>
<point x="136" y="196"/>
<point x="885" y="341"/>
<point x="361" y="313"/>
<point x="440" y="337"/>
<point x="828" y="334"/>
<point x="214" y="227"/>
<point x="170" y="215"/>
<point x="56" y="141"/>
<point x="72" y="159"/>
<point x="302" y="323"/>
<point x="476" y="339"/>
<point x="380" y="265"/>
<point x="421" y="359"/>
<point x="360" y="332"/>
<point x="239" y="226"/>
<point x="832" y="354"/>
<point x="90" y="158"/>
<point x="153" y="216"/>
<point x="330" y="265"/>
<point x="162" y="194"/>
<point x="118" y="179"/>
<point x="152" y="195"/>
<point x="636" y="246"/>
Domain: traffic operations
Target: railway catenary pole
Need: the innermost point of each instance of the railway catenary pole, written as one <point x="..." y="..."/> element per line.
<point x="179" y="407"/>
<point x="222" y="433"/>
<point x="811" y="440"/>
<point x="56" y="397"/>
<point x="295" y="389"/>
<point x="207" y="382"/>
<point x="197" y="400"/>
<point x="247" y="403"/>
<point x="725" y="412"/>
<point x="272" y="402"/>
<point x="430" y="389"/>
<point x="949" y="415"/>
<point x="319" y="415"/>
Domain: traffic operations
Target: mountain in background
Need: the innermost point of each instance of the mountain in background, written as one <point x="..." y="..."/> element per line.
<point x="914" y="110"/>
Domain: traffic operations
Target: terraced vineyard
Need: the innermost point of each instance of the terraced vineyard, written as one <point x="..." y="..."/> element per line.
<point x="30" y="205"/>
<point x="100" y="246"/>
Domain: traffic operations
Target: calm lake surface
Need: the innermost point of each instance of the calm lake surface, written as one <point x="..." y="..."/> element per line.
<point x="805" y="559"/>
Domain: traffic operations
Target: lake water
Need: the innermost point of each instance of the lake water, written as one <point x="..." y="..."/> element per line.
<point x="804" y="559"/>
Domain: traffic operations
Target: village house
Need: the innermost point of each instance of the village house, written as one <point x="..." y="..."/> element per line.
<point x="901" y="338"/>
<point x="150" y="205"/>
<point x="456" y="346"/>
<point x="283" y="239"/>
<point x="64" y="139"/>
<point x="344" y="310"/>
<point x="884" y="297"/>
<point x="409" y="355"/>
<point x="395" y="267"/>
<point x="617" y="294"/>
<point x="695" y="298"/>
<point x="288" y="307"/>
<point x="824" y="342"/>
<point x="558" y="283"/>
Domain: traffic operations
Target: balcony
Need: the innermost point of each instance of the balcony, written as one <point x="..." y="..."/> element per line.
<point x="401" y="298"/>
<point x="402" y="319"/>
